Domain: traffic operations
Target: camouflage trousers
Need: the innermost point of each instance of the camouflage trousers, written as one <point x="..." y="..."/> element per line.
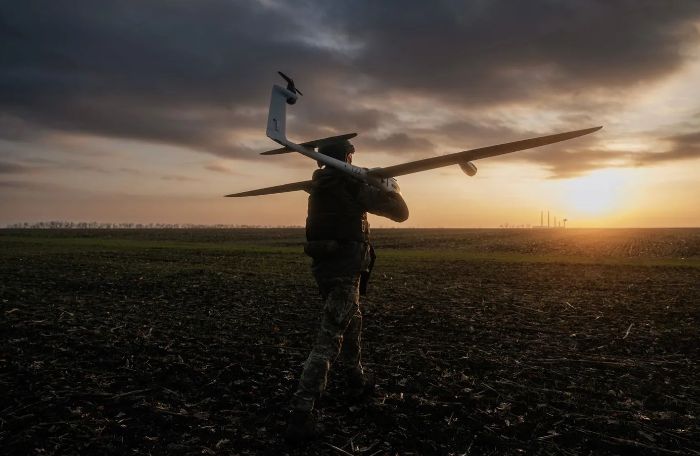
<point x="338" y="337"/>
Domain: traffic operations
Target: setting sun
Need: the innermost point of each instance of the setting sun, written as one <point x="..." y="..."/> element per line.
<point x="598" y="193"/>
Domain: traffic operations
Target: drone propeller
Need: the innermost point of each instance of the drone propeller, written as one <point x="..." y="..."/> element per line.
<point x="290" y="83"/>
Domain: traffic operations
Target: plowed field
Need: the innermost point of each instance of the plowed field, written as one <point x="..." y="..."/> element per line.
<point x="481" y="341"/>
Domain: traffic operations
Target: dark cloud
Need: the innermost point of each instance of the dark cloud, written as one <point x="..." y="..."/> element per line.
<point x="463" y="135"/>
<point x="334" y="116"/>
<point x="400" y="144"/>
<point x="218" y="168"/>
<point x="28" y="186"/>
<point x="207" y="131"/>
<point x="13" y="128"/>
<point x="223" y="169"/>
<point x="12" y="184"/>
<point x="563" y="164"/>
<point x="40" y="164"/>
<point x="170" y="72"/>
<point x="198" y="74"/>
<point x="135" y="172"/>
<point x="12" y="168"/>
<point x="170" y="52"/>
<point x="683" y="147"/>
<point x="484" y="52"/>
<point x="178" y="178"/>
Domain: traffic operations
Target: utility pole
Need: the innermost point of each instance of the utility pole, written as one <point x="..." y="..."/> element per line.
<point x="547" y="219"/>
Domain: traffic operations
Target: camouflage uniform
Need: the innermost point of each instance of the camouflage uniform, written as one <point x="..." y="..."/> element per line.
<point x="338" y="241"/>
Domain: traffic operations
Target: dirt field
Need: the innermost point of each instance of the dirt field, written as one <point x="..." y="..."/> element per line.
<point x="482" y="342"/>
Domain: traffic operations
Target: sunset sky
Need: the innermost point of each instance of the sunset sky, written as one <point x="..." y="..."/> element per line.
<point x="150" y="111"/>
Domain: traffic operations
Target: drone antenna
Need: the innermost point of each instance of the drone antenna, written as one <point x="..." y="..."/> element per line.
<point x="290" y="83"/>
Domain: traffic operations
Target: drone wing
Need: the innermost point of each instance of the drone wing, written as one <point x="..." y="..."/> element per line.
<point x="475" y="154"/>
<point x="303" y="185"/>
<point x="428" y="163"/>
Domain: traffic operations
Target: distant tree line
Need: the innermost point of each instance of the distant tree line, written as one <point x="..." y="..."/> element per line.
<point x="62" y="225"/>
<point x="506" y="225"/>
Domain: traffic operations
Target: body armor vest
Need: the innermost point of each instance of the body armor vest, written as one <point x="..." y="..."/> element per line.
<point x="334" y="212"/>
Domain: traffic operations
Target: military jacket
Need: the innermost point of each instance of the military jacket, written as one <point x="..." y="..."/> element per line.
<point x="336" y="226"/>
<point x="338" y="206"/>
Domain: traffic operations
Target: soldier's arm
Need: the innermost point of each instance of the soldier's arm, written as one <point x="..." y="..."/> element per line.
<point x="378" y="202"/>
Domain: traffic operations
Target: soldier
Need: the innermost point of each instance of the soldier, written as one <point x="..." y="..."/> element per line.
<point x="337" y="236"/>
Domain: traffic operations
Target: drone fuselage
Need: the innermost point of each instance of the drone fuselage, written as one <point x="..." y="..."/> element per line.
<point x="387" y="184"/>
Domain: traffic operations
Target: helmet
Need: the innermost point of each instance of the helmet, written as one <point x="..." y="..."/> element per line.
<point x="338" y="150"/>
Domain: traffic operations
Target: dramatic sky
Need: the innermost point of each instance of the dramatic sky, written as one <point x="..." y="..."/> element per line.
<point x="150" y="111"/>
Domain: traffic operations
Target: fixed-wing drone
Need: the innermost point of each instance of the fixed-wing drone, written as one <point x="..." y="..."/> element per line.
<point x="383" y="178"/>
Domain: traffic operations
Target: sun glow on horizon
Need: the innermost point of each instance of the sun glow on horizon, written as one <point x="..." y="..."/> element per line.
<point x="596" y="194"/>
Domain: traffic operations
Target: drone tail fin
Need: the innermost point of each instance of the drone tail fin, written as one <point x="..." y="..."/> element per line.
<point x="277" y="116"/>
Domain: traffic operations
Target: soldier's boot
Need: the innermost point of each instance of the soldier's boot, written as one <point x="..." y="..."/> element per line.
<point x="301" y="427"/>
<point x="360" y="386"/>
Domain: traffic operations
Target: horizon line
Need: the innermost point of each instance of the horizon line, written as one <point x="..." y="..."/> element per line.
<point x="67" y="225"/>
